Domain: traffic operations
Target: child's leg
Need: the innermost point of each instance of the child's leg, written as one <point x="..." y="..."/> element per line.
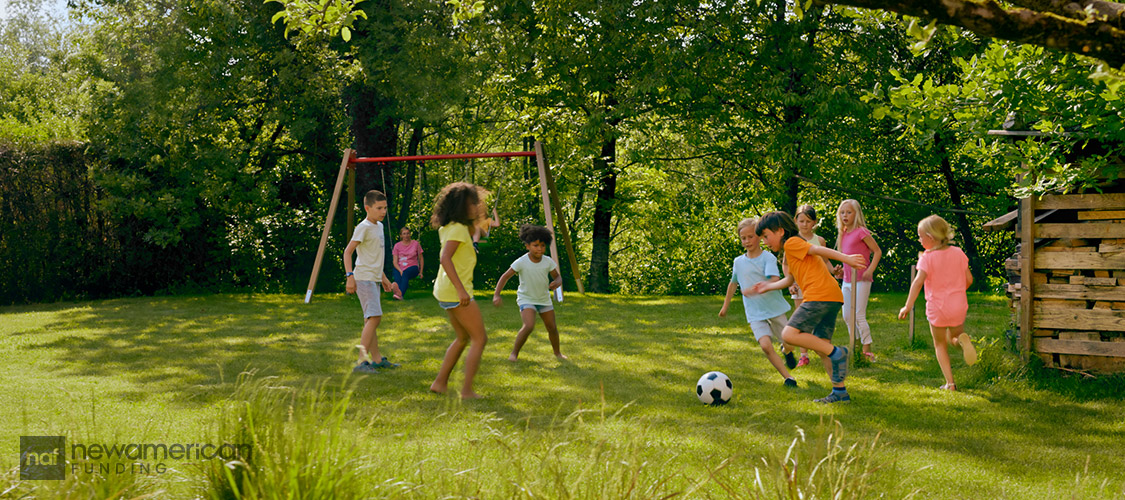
<point x="470" y="318"/>
<point x="369" y="340"/>
<point x="804" y="351"/>
<point x="552" y="331"/>
<point x="527" y="314"/>
<point x="941" y="351"/>
<point x="452" y="354"/>
<point x="766" y="342"/>
<point x="962" y="339"/>
<point x="863" y="295"/>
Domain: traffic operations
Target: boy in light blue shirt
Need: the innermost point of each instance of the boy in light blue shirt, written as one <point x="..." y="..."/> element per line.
<point x="539" y="275"/>
<point x="766" y="311"/>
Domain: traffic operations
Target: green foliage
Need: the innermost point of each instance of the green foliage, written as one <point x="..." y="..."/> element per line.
<point x="315" y="18"/>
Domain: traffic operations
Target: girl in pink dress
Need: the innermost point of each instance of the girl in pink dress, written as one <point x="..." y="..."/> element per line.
<point x="944" y="270"/>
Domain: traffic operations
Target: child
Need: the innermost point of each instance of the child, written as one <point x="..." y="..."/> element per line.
<point x="945" y="271"/>
<point x="534" y="293"/>
<point x="765" y="312"/>
<point x="484" y="227"/>
<point x="856" y="239"/>
<point x="458" y="208"/>
<point x="367" y="242"/>
<point x="806" y="225"/>
<point x="812" y="324"/>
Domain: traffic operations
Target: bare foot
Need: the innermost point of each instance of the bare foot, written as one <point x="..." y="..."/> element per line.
<point x="398" y="297"/>
<point x="470" y="395"/>
<point x="440" y="389"/>
<point x="513" y="357"/>
<point x="562" y="357"/>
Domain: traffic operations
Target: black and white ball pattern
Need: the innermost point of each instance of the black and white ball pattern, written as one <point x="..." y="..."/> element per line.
<point x="714" y="388"/>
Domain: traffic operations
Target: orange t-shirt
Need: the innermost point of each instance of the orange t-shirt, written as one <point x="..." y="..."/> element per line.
<point x="817" y="284"/>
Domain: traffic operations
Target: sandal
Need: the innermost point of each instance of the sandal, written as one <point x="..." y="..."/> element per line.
<point x="949" y="387"/>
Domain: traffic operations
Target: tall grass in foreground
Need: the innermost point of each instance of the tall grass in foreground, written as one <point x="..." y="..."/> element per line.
<point x="306" y="444"/>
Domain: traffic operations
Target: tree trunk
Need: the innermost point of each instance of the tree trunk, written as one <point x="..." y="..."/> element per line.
<point x="406" y="198"/>
<point x="598" y="279"/>
<point x="376" y="134"/>
<point x="962" y="219"/>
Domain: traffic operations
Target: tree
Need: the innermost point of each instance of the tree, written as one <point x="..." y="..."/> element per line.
<point x="1094" y="28"/>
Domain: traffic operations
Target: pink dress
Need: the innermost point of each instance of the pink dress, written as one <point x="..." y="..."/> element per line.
<point x="946" y="302"/>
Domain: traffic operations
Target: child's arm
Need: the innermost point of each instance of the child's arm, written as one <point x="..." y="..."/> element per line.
<point x="827" y="263"/>
<point x="726" y="302"/>
<point x="496" y="300"/>
<point x="394" y="257"/>
<point x="349" y="285"/>
<point x="915" y="287"/>
<point x="450" y="270"/>
<point x="556" y="280"/>
<point x="421" y="261"/>
<point x="856" y="260"/>
<point x="390" y="286"/>
<point x="495" y="218"/>
<point x="876" y="254"/>
<point x="769" y="286"/>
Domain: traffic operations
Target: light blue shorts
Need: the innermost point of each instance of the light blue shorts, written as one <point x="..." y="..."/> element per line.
<point x="451" y="305"/>
<point x="538" y="308"/>
<point x="369" y="297"/>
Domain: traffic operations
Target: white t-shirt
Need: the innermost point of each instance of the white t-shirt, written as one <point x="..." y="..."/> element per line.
<point x="535" y="278"/>
<point x="369" y="253"/>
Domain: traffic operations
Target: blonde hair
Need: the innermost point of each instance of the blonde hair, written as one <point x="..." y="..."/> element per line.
<point x="938" y="229"/>
<point x="747" y="222"/>
<point x="859" y="221"/>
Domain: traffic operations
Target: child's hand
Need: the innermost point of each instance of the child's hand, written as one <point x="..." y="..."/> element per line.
<point x="349" y="287"/>
<point x="463" y="298"/>
<point x="856" y="261"/>
<point x="867" y="275"/>
<point x="792" y="289"/>
<point x="554" y="285"/>
<point x="838" y="272"/>
<point x="723" y="312"/>
<point x="903" y="312"/>
<point x="496" y="300"/>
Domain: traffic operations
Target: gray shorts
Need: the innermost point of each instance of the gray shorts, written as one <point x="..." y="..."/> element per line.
<point x="538" y="308"/>
<point x="817" y="318"/>
<point x="369" y="298"/>
<point x="768" y="327"/>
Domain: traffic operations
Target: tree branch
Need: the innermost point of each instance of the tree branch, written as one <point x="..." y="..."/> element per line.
<point x="1096" y="37"/>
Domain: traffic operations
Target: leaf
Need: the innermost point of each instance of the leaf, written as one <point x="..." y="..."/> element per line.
<point x="346" y="34"/>
<point x="277" y="16"/>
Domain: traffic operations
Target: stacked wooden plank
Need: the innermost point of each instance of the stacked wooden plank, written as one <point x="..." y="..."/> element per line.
<point x="1074" y="261"/>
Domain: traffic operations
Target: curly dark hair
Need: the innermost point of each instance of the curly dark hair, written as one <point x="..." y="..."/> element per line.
<point x="453" y="204"/>
<point x="530" y="233"/>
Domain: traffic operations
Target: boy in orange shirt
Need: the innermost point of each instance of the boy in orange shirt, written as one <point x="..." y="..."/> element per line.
<point x="812" y="324"/>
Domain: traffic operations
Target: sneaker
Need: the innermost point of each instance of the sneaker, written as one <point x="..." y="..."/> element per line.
<point x="790" y="382"/>
<point x="365" y="367"/>
<point x="949" y="387"/>
<point x="383" y="363"/>
<point x="790" y="361"/>
<point x="835" y="397"/>
<point x="840" y="366"/>
<point x="967" y="349"/>
<point x="870" y="357"/>
<point x="803" y="361"/>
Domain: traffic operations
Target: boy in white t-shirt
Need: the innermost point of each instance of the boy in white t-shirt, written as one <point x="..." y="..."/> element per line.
<point x="538" y="277"/>
<point x="364" y="279"/>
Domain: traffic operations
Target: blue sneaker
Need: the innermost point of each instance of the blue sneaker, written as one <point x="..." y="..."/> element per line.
<point x="840" y="366"/>
<point x="365" y="367"/>
<point x="835" y="397"/>
<point x="383" y="363"/>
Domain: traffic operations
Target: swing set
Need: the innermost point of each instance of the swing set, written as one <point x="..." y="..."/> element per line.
<point x="351" y="162"/>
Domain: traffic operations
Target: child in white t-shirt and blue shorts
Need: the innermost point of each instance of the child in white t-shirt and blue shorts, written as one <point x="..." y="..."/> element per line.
<point x="539" y="275"/>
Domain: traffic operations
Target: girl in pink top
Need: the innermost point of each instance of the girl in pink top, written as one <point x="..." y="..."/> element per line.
<point x="856" y="239"/>
<point x="945" y="272"/>
<point x="408" y="261"/>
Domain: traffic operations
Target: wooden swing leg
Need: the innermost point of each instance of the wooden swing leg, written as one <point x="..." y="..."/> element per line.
<point x="348" y="155"/>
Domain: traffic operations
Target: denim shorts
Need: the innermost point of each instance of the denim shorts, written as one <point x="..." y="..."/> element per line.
<point x="538" y="308"/>
<point x="451" y="305"/>
<point x="817" y="318"/>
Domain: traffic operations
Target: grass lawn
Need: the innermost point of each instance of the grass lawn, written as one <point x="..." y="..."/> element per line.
<point x="619" y="420"/>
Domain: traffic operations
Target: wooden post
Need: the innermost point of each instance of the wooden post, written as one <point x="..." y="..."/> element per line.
<point x="1027" y="271"/>
<point x="348" y="155"/>
<point x="541" y="157"/>
<point x="913" y="274"/>
<point x="547" y="209"/>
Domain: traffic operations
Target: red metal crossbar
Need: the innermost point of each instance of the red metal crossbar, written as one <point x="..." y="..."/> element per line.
<point x="388" y="159"/>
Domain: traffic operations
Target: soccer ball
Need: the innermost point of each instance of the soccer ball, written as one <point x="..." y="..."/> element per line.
<point x="714" y="388"/>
